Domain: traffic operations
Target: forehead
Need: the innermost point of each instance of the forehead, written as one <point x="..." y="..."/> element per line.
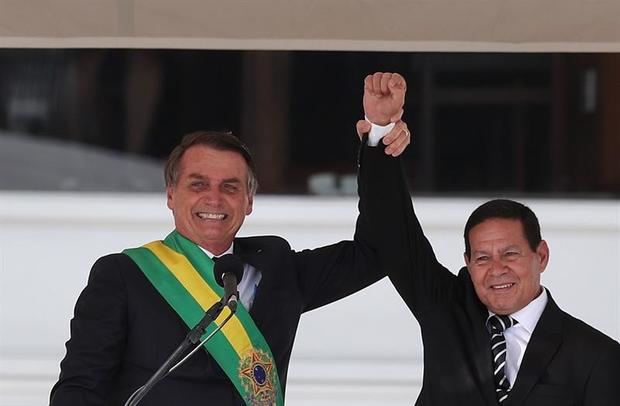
<point x="206" y="161"/>
<point x="509" y="231"/>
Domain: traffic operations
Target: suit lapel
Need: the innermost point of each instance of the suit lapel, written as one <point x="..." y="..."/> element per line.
<point x="541" y="349"/>
<point x="480" y="344"/>
<point x="254" y="255"/>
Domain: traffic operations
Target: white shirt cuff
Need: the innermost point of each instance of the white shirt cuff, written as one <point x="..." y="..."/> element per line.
<point x="377" y="132"/>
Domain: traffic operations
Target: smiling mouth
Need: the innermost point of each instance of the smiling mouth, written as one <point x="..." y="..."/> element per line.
<point x="503" y="286"/>
<point x="211" y="216"/>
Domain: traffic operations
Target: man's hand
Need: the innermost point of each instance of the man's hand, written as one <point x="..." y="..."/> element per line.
<point x="395" y="141"/>
<point x="384" y="97"/>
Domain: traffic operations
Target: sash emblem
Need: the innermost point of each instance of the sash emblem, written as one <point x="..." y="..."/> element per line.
<point x="257" y="374"/>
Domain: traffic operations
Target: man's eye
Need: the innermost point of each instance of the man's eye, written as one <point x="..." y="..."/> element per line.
<point x="231" y="188"/>
<point x="482" y="258"/>
<point x="197" y="184"/>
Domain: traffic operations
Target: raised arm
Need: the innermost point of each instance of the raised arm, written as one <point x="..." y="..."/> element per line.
<point x="332" y="272"/>
<point x="394" y="231"/>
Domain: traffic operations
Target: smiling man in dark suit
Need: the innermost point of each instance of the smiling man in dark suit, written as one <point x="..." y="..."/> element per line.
<point x="139" y="304"/>
<point x="492" y="334"/>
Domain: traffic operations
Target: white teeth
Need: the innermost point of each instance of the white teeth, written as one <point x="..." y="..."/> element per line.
<point x="507" y="285"/>
<point x="211" y="216"/>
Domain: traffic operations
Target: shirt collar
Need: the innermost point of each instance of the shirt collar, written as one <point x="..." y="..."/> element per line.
<point x="528" y="316"/>
<point x="211" y="255"/>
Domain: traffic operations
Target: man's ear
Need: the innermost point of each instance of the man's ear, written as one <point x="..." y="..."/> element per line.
<point x="170" y="197"/>
<point x="543" y="254"/>
<point x="248" y="210"/>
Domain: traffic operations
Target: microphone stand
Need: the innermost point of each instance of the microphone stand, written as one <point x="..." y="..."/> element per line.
<point x="192" y="338"/>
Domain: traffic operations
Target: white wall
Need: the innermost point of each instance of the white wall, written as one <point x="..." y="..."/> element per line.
<point x="364" y="350"/>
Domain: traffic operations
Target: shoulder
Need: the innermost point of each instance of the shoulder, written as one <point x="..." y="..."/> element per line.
<point x="577" y="334"/>
<point x="115" y="261"/>
<point x="263" y="242"/>
<point x="111" y="267"/>
<point x="593" y="352"/>
<point x="584" y="334"/>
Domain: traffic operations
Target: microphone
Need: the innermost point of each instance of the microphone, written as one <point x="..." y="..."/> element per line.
<point x="228" y="270"/>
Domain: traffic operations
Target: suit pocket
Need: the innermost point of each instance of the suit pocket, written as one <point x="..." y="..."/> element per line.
<point x="550" y="395"/>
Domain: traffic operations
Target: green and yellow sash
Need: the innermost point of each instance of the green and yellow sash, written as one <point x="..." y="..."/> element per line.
<point x="183" y="275"/>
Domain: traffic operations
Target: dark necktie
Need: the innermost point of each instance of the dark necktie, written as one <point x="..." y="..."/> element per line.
<point x="497" y="325"/>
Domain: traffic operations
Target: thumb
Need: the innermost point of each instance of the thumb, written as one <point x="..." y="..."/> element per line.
<point x="362" y="127"/>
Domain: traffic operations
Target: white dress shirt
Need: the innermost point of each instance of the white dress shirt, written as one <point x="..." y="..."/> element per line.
<point x="518" y="336"/>
<point x="377" y="132"/>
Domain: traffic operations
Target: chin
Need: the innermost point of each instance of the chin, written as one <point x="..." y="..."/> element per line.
<point x="501" y="308"/>
<point x="502" y="311"/>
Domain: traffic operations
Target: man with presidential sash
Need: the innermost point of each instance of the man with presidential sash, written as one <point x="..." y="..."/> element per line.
<point x="138" y="305"/>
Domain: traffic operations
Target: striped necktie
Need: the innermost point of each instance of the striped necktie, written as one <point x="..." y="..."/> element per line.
<point x="497" y="325"/>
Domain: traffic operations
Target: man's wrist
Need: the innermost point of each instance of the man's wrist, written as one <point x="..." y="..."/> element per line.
<point x="377" y="132"/>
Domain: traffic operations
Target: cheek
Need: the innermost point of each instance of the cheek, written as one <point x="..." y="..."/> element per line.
<point x="477" y="278"/>
<point x="242" y="207"/>
<point x="477" y="275"/>
<point x="534" y="277"/>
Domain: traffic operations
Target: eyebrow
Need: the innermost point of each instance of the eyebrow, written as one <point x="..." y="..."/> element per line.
<point x="231" y="180"/>
<point x="508" y="248"/>
<point x="227" y="180"/>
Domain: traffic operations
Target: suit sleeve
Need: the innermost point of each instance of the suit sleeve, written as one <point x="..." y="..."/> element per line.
<point x="98" y="331"/>
<point x="394" y="232"/>
<point x="330" y="273"/>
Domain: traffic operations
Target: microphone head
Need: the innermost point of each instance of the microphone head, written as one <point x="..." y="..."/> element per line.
<point x="228" y="263"/>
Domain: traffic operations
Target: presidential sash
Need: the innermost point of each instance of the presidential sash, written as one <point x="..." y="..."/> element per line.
<point x="183" y="274"/>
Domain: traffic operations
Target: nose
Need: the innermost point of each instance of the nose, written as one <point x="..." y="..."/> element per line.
<point x="497" y="267"/>
<point x="212" y="196"/>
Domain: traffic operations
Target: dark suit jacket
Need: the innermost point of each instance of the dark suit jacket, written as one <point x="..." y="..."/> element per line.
<point x="123" y="330"/>
<point x="566" y="362"/>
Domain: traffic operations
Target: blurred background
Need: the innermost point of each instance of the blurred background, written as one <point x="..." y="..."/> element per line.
<point x="501" y="102"/>
<point x="543" y="124"/>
